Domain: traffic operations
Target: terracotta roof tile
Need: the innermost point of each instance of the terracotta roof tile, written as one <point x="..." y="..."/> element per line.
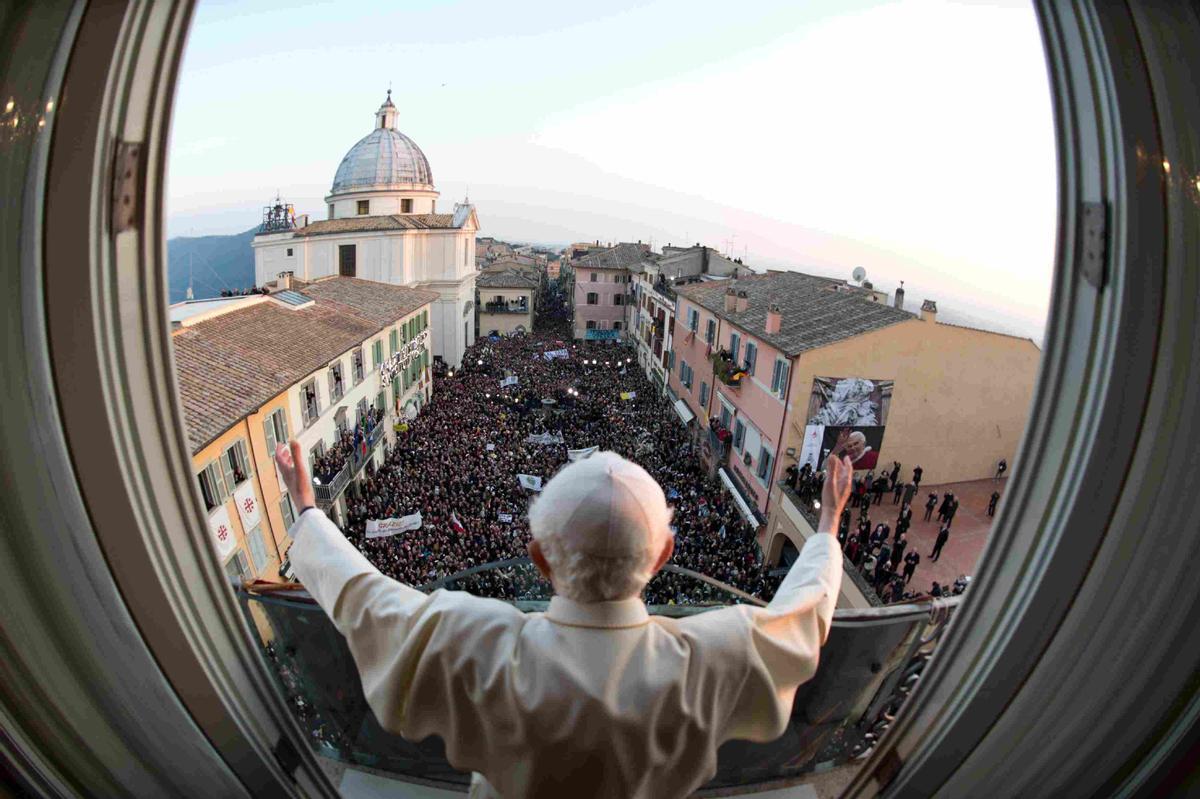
<point x="362" y="224"/>
<point x="229" y="365"/>
<point x="814" y="313"/>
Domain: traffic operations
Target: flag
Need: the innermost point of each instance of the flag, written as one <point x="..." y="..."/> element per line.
<point x="456" y="525"/>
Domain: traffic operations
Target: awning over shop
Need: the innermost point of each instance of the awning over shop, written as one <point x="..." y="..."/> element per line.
<point x="742" y="507"/>
<point x="685" y="413"/>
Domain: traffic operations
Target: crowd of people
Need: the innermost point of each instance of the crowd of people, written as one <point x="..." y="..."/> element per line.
<point x="878" y="551"/>
<point x="457" y="464"/>
<point x="350" y="441"/>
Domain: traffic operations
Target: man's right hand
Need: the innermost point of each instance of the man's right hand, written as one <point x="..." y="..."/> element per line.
<point x="839" y="473"/>
<point x="290" y="461"/>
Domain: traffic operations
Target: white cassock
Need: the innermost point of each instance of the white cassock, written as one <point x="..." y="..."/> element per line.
<point x="582" y="700"/>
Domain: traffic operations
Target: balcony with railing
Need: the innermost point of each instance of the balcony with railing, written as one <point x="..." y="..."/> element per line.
<point x="665" y="289"/>
<point x="809" y="509"/>
<point x="327" y="493"/>
<point x="720" y="441"/>
<point x="870" y="664"/>
<point x="726" y="369"/>
<point x="506" y="307"/>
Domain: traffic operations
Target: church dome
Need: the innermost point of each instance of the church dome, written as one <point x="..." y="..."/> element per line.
<point x="383" y="159"/>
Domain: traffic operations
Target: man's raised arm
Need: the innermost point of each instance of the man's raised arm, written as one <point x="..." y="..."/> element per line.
<point x="786" y="636"/>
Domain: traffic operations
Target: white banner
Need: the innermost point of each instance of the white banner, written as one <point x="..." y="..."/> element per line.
<point x="247" y="505"/>
<point x="403" y="357"/>
<point x="580" y="454"/>
<point x="810" y="453"/>
<point x="509" y="381"/>
<point x="530" y="481"/>
<point x="552" y="354"/>
<point x="381" y="528"/>
<point x="545" y="439"/>
<point x="504" y="517"/>
<point x="222" y="532"/>
<point x="490" y="447"/>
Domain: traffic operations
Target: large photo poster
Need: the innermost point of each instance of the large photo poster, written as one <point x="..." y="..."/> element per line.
<point x="853" y="414"/>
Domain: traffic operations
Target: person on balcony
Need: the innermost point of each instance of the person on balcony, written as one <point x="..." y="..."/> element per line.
<point x="594" y="697"/>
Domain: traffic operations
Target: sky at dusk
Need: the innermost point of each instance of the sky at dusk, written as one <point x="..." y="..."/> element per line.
<point x="914" y="139"/>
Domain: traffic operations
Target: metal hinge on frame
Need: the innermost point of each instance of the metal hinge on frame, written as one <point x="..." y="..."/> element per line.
<point x="1093" y="242"/>
<point x="287" y="756"/>
<point x="127" y="186"/>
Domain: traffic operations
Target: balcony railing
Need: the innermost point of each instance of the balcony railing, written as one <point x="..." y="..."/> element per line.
<point x="870" y="664"/>
<point x="813" y="518"/>
<point x="493" y="307"/>
<point x="720" y="449"/>
<point x="327" y="493"/>
<point x="665" y="290"/>
<point x="726" y="370"/>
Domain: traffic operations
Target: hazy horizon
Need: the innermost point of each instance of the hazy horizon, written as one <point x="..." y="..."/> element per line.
<point x="913" y="139"/>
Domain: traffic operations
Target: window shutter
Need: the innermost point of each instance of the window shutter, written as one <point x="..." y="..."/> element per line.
<point x="269" y="432"/>
<point x="227" y="469"/>
<point x="282" y="424"/>
<point x="258" y="550"/>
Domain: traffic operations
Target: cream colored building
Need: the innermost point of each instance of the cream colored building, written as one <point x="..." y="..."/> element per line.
<point x="307" y="363"/>
<point x="506" y="300"/>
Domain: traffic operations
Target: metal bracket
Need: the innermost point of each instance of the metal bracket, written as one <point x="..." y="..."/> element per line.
<point x="126" y="187"/>
<point x="287" y="756"/>
<point x="1094" y="243"/>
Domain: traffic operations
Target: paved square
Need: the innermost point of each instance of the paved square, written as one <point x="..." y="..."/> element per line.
<point x="968" y="532"/>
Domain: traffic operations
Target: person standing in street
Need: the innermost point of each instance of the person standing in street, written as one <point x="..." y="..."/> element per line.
<point x="917" y="472"/>
<point x="942" y="537"/>
<point x="991" y="509"/>
<point x="930" y="504"/>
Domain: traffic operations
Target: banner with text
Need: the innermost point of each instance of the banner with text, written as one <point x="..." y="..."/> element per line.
<point x="382" y="528"/>
<point x="545" y="439"/>
<point x="580" y="454"/>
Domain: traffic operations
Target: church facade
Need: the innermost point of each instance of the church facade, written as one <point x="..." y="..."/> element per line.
<point x="382" y="224"/>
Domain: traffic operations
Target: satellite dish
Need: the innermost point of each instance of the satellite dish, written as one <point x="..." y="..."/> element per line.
<point x="859" y="273"/>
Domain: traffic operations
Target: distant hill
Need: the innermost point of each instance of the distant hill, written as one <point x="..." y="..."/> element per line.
<point x="217" y="262"/>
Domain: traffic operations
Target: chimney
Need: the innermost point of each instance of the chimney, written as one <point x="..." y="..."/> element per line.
<point x="929" y="311"/>
<point x="730" y="300"/>
<point x="774" y="319"/>
<point x="743" y="302"/>
<point x="302" y="220"/>
<point x="899" y="302"/>
<point x="283" y="281"/>
<point x="704" y="261"/>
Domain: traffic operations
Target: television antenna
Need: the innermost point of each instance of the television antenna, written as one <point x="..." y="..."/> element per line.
<point x="859" y="274"/>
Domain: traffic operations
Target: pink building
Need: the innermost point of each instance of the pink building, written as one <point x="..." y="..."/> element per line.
<point x="736" y="345"/>
<point x="604" y="291"/>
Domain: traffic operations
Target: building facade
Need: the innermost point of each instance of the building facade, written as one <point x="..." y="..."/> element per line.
<point x="316" y="362"/>
<point x="506" y="300"/>
<point x="603" y="291"/>
<point x="769" y="362"/>
<point x="383" y="225"/>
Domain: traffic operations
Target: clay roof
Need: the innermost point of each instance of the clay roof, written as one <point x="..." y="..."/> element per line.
<point x="814" y="312"/>
<point x="506" y="279"/>
<point x="623" y="256"/>
<point x="361" y="224"/>
<point x="231" y="364"/>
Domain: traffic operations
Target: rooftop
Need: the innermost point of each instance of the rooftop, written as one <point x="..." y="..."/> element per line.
<point x="505" y="279"/>
<point x="361" y="224"/>
<point x="622" y="256"/>
<point x="228" y="366"/>
<point x="814" y="312"/>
